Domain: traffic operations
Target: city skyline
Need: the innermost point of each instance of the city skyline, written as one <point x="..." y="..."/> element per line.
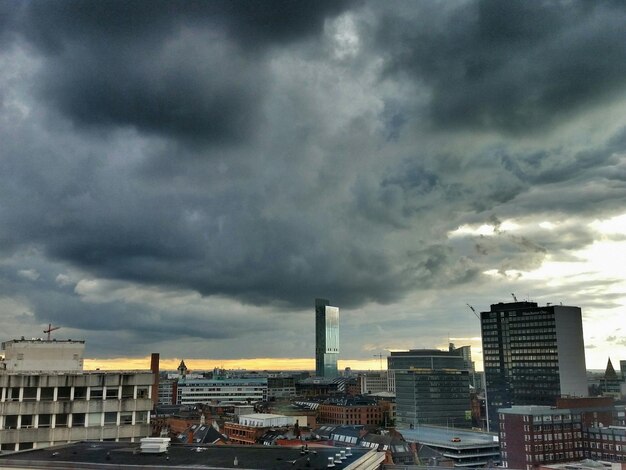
<point x="186" y="177"/>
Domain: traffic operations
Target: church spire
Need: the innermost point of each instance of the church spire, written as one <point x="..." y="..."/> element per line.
<point x="610" y="371"/>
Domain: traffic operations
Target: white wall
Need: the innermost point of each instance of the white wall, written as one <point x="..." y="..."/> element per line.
<point x="38" y="355"/>
<point x="571" y="347"/>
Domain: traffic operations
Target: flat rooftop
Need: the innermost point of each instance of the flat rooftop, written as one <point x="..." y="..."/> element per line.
<point x="126" y="455"/>
<point x="451" y="438"/>
<point x="74" y="372"/>
<point x="537" y="410"/>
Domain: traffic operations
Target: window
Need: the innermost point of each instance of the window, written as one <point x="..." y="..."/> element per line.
<point x="10" y="422"/>
<point x="44" y="421"/>
<point x="61" y="420"/>
<point x="110" y="417"/>
<point x="78" y="419"/>
<point x="94" y="419"/>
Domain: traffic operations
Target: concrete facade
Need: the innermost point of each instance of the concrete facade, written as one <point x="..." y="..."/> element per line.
<point x="47" y="399"/>
<point x="37" y="354"/>
<point x="43" y="409"/>
<point x="374" y="382"/>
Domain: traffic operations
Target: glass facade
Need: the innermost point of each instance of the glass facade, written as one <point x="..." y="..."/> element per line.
<point x="326" y="338"/>
<point x="434" y="397"/>
<point x="426" y="359"/>
<point x="520" y="356"/>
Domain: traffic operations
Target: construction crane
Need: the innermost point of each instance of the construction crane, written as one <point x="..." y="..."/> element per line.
<point x="473" y="310"/>
<point x="514" y="298"/>
<point x="380" y="356"/>
<point x="50" y="329"/>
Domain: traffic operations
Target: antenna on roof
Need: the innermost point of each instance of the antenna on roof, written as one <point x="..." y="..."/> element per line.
<point x="50" y="329"/>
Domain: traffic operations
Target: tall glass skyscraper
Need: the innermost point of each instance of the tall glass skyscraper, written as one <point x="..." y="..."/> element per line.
<point x="326" y="338"/>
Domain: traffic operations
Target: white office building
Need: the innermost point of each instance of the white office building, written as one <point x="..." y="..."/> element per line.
<point x="192" y="391"/>
<point x="47" y="399"/>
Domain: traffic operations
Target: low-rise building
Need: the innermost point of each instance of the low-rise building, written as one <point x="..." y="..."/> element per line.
<point x="351" y="411"/>
<point x="191" y="391"/>
<point x="374" y="382"/>
<point x="52" y="401"/>
<point x="463" y="448"/>
<point x="534" y="435"/>
<point x="129" y="456"/>
<point x="281" y="387"/>
<point x="250" y="428"/>
<point x="605" y="443"/>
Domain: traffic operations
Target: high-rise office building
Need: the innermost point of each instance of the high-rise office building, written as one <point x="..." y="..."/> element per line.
<point x="432" y="386"/>
<point x="432" y="396"/>
<point x="532" y="355"/>
<point x="326" y="338"/>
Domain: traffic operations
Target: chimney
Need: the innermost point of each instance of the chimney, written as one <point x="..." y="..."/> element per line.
<point x="154" y="367"/>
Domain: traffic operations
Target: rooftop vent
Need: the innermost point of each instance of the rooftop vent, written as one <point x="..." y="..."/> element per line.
<point x="154" y="445"/>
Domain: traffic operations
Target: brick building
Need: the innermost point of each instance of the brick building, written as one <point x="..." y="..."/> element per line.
<point x="531" y="436"/>
<point x="251" y="428"/>
<point x="605" y="443"/>
<point x="351" y="411"/>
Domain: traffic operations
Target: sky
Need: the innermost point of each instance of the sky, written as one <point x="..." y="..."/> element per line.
<point x="187" y="177"/>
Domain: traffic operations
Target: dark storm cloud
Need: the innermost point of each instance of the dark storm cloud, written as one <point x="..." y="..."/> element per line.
<point x="513" y="66"/>
<point x="559" y="164"/>
<point x="62" y="305"/>
<point x="237" y="159"/>
<point x="177" y="69"/>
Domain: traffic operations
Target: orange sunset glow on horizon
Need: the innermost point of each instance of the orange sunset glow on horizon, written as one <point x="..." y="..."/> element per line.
<point x="131" y="363"/>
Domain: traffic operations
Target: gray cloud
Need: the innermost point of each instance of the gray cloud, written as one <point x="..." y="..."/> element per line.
<point x="513" y="67"/>
<point x="242" y="158"/>
<point x="180" y="69"/>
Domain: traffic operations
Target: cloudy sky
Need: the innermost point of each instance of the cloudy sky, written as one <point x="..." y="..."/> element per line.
<point x="186" y="177"/>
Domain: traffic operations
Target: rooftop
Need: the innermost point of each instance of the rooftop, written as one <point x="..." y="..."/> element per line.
<point x="535" y="410"/>
<point x="452" y="438"/>
<point x="97" y="455"/>
<point x="74" y="372"/>
<point x="580" y="465"/>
